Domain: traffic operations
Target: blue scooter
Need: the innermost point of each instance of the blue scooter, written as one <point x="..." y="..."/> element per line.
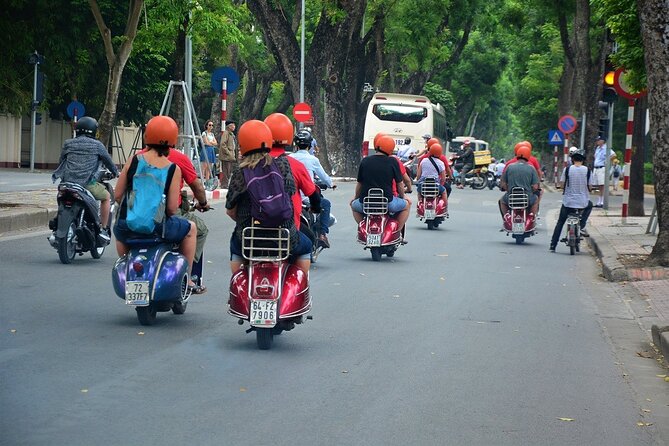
<point x="152" y="277"/>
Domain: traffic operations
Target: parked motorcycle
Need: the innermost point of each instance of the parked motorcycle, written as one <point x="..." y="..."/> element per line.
<point x="378" y="231"/>
<point x="432" y="208"/>
<point x="573" y="232"/>
<point x="76" y="227"/>
<point x="519" y="222"/>
<point x="268" y="292"/>
<point x="311" y="225"/>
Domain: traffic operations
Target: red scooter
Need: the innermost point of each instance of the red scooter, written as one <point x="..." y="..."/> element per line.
<point x="518" y="221"/>
<point x="378" y="231"/>
<point x="269" y="292"/>
<point x="432" y="208"/>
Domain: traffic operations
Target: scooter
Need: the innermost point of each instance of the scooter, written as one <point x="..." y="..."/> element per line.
<point x="492" y="179"/>
<point x="76" y="227"/>
<point x="269" y="292"/>
<point x="573" y="232"/>
<point x="378" y="231"/>
<point x="518" y="222"/>
<point x="431" y="207"/>
<point x="152" y="277"/>
<point x="477" y="178"/>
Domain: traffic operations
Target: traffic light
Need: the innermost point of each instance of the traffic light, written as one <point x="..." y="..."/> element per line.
<point x="38" y="118"/>
<point x="604" y="128"/>
<point x="609" y="94"/>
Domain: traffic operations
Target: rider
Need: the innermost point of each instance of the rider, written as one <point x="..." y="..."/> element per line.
<point x="433" y="167"/>
<point x="160" y="136"/>
<point x="448" y="172"/>
<point x="466" y="157"/>
<point x="405" y="152"/>
<point x="533" y="162"/>
<point x="79" y="163"/>
<point x="576" y="194"/>
<point x="379" y="171"/>
<point x="519" y="174"/>
<point x="313" y="165"/>
<point x="255" y="140"/>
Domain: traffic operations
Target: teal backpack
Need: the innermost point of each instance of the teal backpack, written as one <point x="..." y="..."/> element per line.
<point x="147" y="195"/>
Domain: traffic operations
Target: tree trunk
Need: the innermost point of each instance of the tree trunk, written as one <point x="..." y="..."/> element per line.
<point x="636" y="208"/>
<point x="116" y="61"/>
<point x="655" y="33"/>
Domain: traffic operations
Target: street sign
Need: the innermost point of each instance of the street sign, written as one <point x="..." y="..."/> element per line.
<point x="302" y="112"/>
<point x="555" y="138"/>
<point x="567" y="124"/>
<point x="621" y="87"/>
<point x="228" y="73"/>
<point x="76" y="108"/>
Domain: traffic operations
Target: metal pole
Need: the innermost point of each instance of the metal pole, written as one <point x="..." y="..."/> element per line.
<point x="224" y="103"/>
<point x="628" y="159"/>
<point x="33" y="129"/>
<point x="555" y="165"/>
<point x="607" y="163"/>
<point x="582" y="142"/>
<point x="302" y="58"/>
<point x="188" y="69"/>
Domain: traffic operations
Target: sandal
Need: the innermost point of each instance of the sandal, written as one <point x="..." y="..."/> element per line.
<point x="197" y="289"/>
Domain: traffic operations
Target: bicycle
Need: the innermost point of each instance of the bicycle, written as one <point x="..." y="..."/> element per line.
<point x="573" y="231"/>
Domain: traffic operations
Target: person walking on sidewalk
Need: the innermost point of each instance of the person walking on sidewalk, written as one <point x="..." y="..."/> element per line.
<point x="228" y="152"/>
<point x="576" y="195"/>
<point x="79" y="163"/>
<point x="599" y="171"/>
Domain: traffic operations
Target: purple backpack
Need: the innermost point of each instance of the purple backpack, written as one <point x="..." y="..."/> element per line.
<point x="270" y="204"/>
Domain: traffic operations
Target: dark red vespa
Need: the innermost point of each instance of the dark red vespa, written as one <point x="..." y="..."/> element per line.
<point x="378" y="231"/>
<point x="269" y="292"/>
<point x="432" y="208"/>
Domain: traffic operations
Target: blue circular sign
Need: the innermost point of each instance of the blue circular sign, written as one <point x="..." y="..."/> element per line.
<point x="228" y="73"/>
<point x="567" y="124"/>
<point x="76" y="108"/>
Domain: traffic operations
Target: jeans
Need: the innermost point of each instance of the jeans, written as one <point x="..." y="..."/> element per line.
<point x="324" y="216"/>
<point x="564" y="213"/>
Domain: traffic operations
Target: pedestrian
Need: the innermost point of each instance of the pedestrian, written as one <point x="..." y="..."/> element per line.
<point x="314" y="149"/>
<point x="228" y="152"/>
<point x="208" y="155"/>
<point x="599" y="170"/>
<point x="616" y="173"/>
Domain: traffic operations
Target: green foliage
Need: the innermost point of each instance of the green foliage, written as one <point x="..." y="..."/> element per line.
<point x="648" y="176"/>
<point x="439" y="95"/>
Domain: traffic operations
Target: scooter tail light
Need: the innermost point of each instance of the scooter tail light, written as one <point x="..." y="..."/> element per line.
<point x="138" y="268"/>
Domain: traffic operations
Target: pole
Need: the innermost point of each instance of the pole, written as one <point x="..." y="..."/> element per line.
<point x="33" y="128"/>
<point x="628" y="159"/>
<point x="188" y="72"/>
<point x="583" y="122"/>
<point x="607" y="163"/>
<point x="566" y="151"/>
<point x="302" y="58"/>
<point x="224" y="103"/>
<point x="555" y="165"/>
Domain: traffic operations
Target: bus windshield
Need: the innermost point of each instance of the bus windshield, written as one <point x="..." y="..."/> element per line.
<point x="399" y="113"/>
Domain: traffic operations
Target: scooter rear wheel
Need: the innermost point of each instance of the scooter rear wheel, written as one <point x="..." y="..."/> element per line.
<point x="430" y="224"/>
<point x="66" y="245"/>
<point x="264" y="338"/>
<point x="376" y="254"/>
<point x="146" y="315"/>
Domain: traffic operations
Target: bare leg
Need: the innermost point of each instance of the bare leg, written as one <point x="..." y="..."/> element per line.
<point x="235" y="266"/>
<point x="403" y="216"/>
<point x="503" y="207"/>
<point x="187" y="246"/>
<point x="357" y="216"/>
<point x="121" y="248"/>
<point x="303" y="264"/>
<point x="105" y="210"/>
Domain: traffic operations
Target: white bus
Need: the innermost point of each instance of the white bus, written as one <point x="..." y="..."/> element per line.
<point x="402" y="116"/>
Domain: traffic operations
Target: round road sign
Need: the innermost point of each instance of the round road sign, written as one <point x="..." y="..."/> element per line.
<point x="227" y="73"/>
<point x="622" y="88"/>
<point x="567" y="124"/>
<point x="302" y="112"/>
<point x="75" y="108"/>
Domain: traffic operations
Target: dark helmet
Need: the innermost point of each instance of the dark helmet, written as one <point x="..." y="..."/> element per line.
<point x="86" y="126"/>
<point x="303" y="139"/>
<point x="407" y="140"/>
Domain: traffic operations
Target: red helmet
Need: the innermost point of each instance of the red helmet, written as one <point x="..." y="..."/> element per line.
<point x="254" y="135"/>
<point x="386" y="144"/>
<point x="376" y="138"/>
<point x="281" y="127"/>
<point x="524" y="152"/>
<point x="436" y="150"/>
<point x="432" y="141"/>
<point x="161" y="131"/>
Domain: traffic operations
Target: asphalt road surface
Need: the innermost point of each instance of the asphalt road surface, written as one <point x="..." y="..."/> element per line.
<point x="463" y="338"/>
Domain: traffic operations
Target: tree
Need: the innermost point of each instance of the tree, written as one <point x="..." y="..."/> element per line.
<point x="654" y="23"/>
<point x="116" y="60"/>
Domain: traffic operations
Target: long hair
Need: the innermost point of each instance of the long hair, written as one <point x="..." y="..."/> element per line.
<point x="160" y="149"/>
<point x="252" y="159"/>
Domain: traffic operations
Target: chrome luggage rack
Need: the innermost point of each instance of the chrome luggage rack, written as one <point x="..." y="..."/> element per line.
<point x="375" y="203"/>
<point x="429" y="188"/>
<point x="518" y="198"/>
<point x="265" y="244"/>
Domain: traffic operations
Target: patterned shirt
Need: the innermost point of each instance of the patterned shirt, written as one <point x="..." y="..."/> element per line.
<point x="80" y="160"/>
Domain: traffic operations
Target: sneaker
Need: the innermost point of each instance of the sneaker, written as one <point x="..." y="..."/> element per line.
<point x="103" y="237"/>
<point x="584" y="233"/>
<point x="552" y="248"/>
<point x="598" y="205"/>
<point x="323" y="239"/>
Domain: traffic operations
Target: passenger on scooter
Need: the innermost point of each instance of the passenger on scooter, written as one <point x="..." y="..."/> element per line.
<point x="255" y="141"/>
<point x="79" y="163"/>
<point x="406" y="183"/>
<point x="379" y="171"/>
<point x="520" y="174"/>
<point x="282" y="134"/>
<point x="466" y="157"/>
<point x="405" y="152"/>
<point x="433" y="167"/>
<point x="160" y="136"/>
<point x="448" y="172"/>
<point x="534" y="163"/>
<point x="313" y="165"/>
<point x="576" y="194"/>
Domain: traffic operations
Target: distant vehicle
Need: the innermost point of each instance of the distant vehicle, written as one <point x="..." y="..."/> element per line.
<point x="402" y="116"/>
<point x="481" y="149"/>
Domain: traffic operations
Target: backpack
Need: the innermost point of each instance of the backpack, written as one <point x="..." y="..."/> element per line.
<point x="616" y="171"/>
<point x="147" y="195"/>
<point x="566" y="179"/>
<point x="270" y="204"/>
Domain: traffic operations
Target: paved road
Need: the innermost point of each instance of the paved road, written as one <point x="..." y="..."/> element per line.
<point x="463" y="338"/>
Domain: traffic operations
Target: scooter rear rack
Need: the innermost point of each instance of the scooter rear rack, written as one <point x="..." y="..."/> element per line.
<point x="375" y="203"/>
<point x="265" y="244"/>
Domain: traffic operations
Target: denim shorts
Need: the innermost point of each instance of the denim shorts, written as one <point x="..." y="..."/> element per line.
<point x="396" y="205"/>
<point x="301" y="252"/>
<point x="176" y="229"/>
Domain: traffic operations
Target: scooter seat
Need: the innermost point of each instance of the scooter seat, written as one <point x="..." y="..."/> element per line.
<point x="147" y="241"/>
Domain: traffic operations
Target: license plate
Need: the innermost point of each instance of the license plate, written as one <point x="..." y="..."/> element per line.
<point x="137" y="293"/>
<point x="263" y="313"/>
<point x="518" y="228"/>
<point x="429" y="214"/>
<point x="373" y="239"/>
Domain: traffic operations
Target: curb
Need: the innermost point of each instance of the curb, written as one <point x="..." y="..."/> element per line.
<point x="26" y="217"/>
<point x="661" y="340"/>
